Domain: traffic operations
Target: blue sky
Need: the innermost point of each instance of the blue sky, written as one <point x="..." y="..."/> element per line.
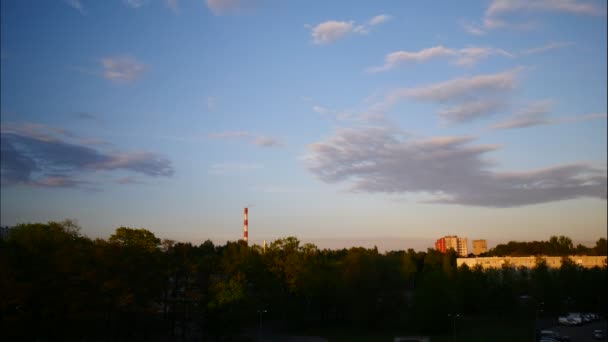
<point x="383" y="123"/>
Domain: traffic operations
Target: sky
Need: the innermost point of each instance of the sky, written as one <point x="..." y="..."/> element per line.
<point x="343" y="123"/>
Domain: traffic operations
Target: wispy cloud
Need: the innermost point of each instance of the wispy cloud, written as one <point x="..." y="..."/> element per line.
<point x="366" y="115"/>
<point x="580" y="118"/>
<point x="379" y="19"/>
<point x="382" y="160"/>
<point x="465" y="98"/>
<point x="77" y="5"/>
<point x="468" y="111"/>
<point x="534" y="114"/>
<point x="222" y="7"/>
<point x="332" y="30"/>
<point x="128" y="180"/>
<point x="251" y="138"/>
<point x="537" y="114"/>
<point x="460" y="89"/>
<point x="135" y="3"/>
<point x="266" y="141"/>
<point x="40" y="155"/>
<point x="468" y="56"/>
<point x="122" y="69"/>
<point x="231" y="167"/>
<point x="498" y="9"/>
<point x="546" y="47"/>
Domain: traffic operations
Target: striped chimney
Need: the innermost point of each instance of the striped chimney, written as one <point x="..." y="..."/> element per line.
<point x="245" y="226"/>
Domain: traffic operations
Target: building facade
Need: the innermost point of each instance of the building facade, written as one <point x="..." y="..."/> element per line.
<point x="480" y="247"/>
<point x="460" y="245"/>
<point x="530" y="261"/>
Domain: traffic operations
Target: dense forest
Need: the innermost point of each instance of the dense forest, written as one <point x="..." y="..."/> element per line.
<point x="556" y="246"/>
<point x="57" y="284"/>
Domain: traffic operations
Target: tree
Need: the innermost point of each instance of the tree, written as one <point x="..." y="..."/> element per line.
<point x="600" y="247"/>
<point x="139" y="238"/>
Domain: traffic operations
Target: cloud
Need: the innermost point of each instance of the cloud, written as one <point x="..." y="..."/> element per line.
<point x="546" y="47"/>
<point x="468" y="111"/>
<point x="77" y="5"/>
<point x="122" y="69"/>
<point x="452" y="169"/>
<point x="230" y="135"/>
<point x="332" y="30"/>
<point x="220" y="7"/>
<point x="266" y="141"/>
<point x="471" y="55"/>
<point x="369" y="115"/>
<point x="468" y="56"/>
<point x="224" y="168"/>
<point x="255" y="139"/>
<point x="400" y="57"/>
<point x="498" y="9"/>
<point x="580" y="118"/>
<point x="535" y="114"/>
<point x="459" y="89"/>
<point x="40" y="156"/>
<point x="379" y="19"/>
<point x="501" y="7"/>
<point x="464" y="98"/>
<point x="473" y="28"/>
<point x="320" y="110"/>
<point x="128" y="180"/>
<point x="135" y="3"/>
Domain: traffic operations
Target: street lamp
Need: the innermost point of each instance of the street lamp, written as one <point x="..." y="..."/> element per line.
<point x="261" y="311"/>
<point x="539" y="308"/>
<point x="454" y="316"/>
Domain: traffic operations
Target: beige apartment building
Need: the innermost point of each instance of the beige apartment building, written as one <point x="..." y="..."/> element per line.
<point x="480" y="247"/>
<point x="530" y="261"/>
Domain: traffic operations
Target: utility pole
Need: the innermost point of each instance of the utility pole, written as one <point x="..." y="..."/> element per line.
<point x="454" y="316"/>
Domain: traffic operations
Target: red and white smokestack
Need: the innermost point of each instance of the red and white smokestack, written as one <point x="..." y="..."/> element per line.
<point x="245" y="226"/>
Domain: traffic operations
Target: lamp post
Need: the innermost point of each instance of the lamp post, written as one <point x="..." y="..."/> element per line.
<point x="260" y="312"/>
<point x="454" y="316"/>
<point x="539" y="308"/>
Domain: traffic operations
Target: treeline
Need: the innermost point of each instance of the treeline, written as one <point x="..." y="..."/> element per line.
<point x="57" y="284"/>
<point x="555" y="246"/>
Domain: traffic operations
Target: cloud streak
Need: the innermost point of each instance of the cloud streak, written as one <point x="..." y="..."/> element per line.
<point x="468" y="56"/>
<point x="498" y="9"/>
<point x="465" y="57"/>
<point x="536" y="114"/>
<point x="36" y="155"/>
<point x="332" y="30"/>
<point x="77" y="5"/>
<point x="465" y="98"/>
<point x="251" y="138"/>
<point x="452" y="169"/>
<point x="223" y="7"/>
<point x="122" y="69"/>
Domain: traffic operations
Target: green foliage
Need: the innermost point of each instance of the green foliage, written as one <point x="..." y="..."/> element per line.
<point x="141" y="239"/>
<point x="64" y="286"/>
<point x="555" y="246"/>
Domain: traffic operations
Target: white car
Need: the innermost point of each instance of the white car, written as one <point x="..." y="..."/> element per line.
<point x="568" y="320"/>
